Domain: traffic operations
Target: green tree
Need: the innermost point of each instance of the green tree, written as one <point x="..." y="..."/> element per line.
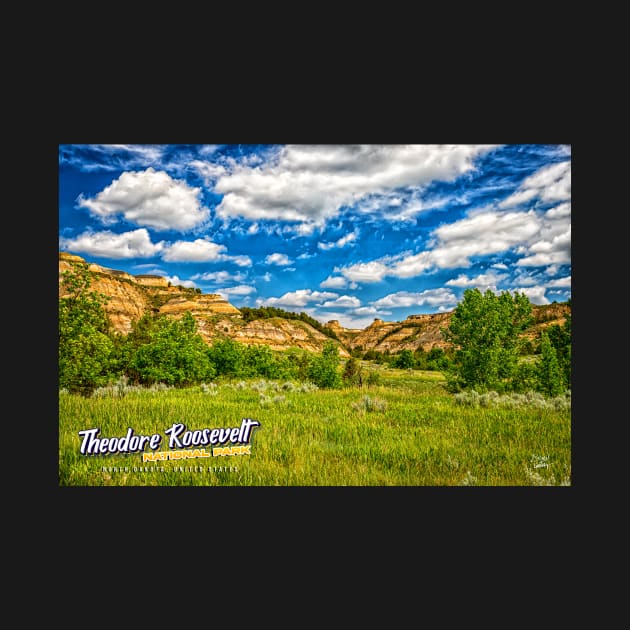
<point x="353" y="372"/>
<point x="228" y="357"/>
<point x="174" y="353"/>
<point x="404" y="360"/>
<point x="85" y="345"/>
<point x="294" y="363"/>
<point x="323" y="370"/>
<point x="420" y="358"/>
<point x="437" y="360"/>
<point x="550" y="375"/>
<point x="260" y="361"/>
<point x="560" y="338"/>
<point x="484" y="330"/>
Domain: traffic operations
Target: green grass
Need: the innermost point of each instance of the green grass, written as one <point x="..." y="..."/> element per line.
<point x="409" y="431"/>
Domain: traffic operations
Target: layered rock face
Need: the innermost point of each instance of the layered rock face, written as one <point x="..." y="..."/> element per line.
<point x="131" y="296"/>
<point x="280" y="334"/>
<point x="417" y="331"/>
<point x="424" y="331"/>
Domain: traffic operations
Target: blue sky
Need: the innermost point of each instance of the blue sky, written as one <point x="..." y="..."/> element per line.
<point x="346" y="232"/>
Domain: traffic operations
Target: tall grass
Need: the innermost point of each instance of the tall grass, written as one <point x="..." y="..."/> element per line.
<point x="407" y="431"/>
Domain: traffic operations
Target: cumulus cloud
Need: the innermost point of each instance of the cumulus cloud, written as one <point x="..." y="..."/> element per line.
<point x="278" y="259"/>
<point x="558" y="212"/>
<point x="370" y="310"/>
<point x="454" y="244"/>
<point x="310" y="184"/>
<point x="176" y="281"/>
<point x="241" y="261"/>
<point x="430" y="297"/>
<point x="334" y="282"/>
<point x="373" y="271"/>
<point x="200" y="250"/>
<point x="551" y="183"/>
<point x="483" y="281"/>
<point x="344" y="301"/>
<point x="342" y="242"/>
<point x="301" y="297"/>
<point x="553" y="246"/>
<point x="220" y="277"/>
<point x="536" y="295"/>
<point x="107" y="244"/>
<point x="524" y="280"/>
<point x="482" y="233"/>
<point x="150" y="198"/>
<point x="538" y="238"/>
<point x="560" y="282"/>
<point x="241" y="289"/>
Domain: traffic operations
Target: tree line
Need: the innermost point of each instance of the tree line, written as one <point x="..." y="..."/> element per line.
<point x="485" y="335"/>
<point x="267" y="312"/>
<point x="161" y="349"/>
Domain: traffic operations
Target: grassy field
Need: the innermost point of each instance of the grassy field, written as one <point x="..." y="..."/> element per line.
<point x="406" y="431"/>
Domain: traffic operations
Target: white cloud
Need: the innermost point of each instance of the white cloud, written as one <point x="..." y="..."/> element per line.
<point x="373" y="271"/>
<point x="485" y="232"/>
<point x="110" y="157"/>
<point x="525" y="280"/>
<point x="551" y="183"/>
<point x="334" y="282"/>
<point x="301" y="297"/>
<point x="220" y="277"/>
<point x="430" y="297"/>
<point x="499" y="266"/>
<point x="242" y="289"/>
<point x="241" y="261"/>
<point x="561" y="211"/>
<point x="310" y="184"/>
<point x="344" y="301"/>
<point x="342" y="242"/>
<point x="553" y="248"/>
<point x="483" y="281"/>
<point x="278" y="259"/>
<point x="200" y="250"/>
<point x="540" y="240"/>
<point x="175" y="281"/>
<point x="482" y="233"/>
<point x="547" y="258"/>
<point x="410" y="266"/>
<point x="536" y="295"/>
<point x="107" y="244"/>
<point x="151" y="198"/>
<point x="560" y="282"/>
<point x="370" y="310"/>
<point x="210" y="171"/>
